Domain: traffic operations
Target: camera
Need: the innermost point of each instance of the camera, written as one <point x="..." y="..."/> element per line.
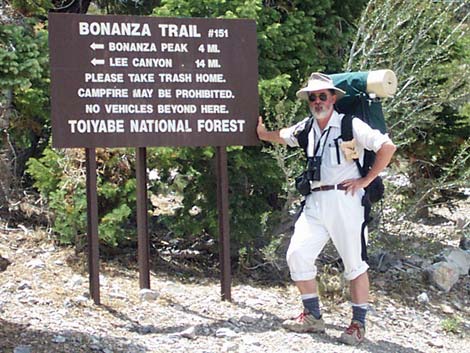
<point x="313" y="173"/>
<point x="314" y="168"/>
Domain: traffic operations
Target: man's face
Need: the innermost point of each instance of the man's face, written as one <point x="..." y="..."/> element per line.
<point x="321" y="103"/>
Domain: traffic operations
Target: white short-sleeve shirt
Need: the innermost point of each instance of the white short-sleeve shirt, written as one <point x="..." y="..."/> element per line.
<point x="334" y="167"/>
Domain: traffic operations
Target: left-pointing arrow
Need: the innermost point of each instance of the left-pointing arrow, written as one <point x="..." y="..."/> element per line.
<point x="97" y="61"/>
<point x="95" y="46"/>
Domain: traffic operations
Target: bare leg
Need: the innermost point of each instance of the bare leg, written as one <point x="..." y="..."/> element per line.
<point x="360" y="289"/>
<point x="307" y="287"/>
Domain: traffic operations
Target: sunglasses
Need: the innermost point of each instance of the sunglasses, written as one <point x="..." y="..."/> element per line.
<point x="313" y="97"/>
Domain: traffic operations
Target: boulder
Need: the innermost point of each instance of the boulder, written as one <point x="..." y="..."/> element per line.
<point x="444" y="275"/>
<point x="4" y="263"/>
<point x="148" y="295"/>
<point x="460" y="258"/>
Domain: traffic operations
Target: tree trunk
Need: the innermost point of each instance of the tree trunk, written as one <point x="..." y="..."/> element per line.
<point x="6" y="150"/>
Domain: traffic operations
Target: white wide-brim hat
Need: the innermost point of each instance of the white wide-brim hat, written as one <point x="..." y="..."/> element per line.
<point x="318" y="82"/>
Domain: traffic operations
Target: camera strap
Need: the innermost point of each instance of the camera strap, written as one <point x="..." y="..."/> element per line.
<point x="327" y="132"/>
<point x="311" y="142"/>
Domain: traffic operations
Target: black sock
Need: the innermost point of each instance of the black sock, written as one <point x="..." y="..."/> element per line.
<point x="359" y="313"/>
<point x="313" y="306"/>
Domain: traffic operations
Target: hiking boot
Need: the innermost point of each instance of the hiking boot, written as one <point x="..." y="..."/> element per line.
<point x="305" y="322"/>
<point x="354" y="334"/>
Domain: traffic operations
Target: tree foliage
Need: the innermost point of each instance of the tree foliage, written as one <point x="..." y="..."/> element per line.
<point x="127" y="7"/>
<point x="60" y="177"/>
<point x="426" y="44"/>
<point x="24" y="97"/>
<point x="40" y="8"/>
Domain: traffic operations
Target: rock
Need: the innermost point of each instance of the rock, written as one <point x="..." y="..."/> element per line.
<point x="464" y="242"/>
<point x="446" y="309"/>
<point x="205" y="331"/>
<point x="36" y="264"/>
<point x="103" y="279"/>
<point x="23" y="349"/>
<point x="383" y="261"/>
<point x="24" y="285"/>
<point x="4" y="263"/>
<point x="75" y="281"/>
<point x="148" y="294"/>
<point x="225" y="332"/>
<point x="117" y="295"/>
<point x="416" y="260"/>
<point x="380" y="283"/>
<point x="229" y="347"/>
<point x="80" y="299"/>
<point x="460" y="258"/>
<point x="146" y="329"/>
<point x="444" y="275"/>
<point x="59" y="339"/>
<point x="436" y="343"/>
<point x="178" y="307"/>
<point x="423" y="298"/>
<point x="248" y="319"/>
<point x="458" y="305"/>
<point x="33" y="301"/>
<point x="233" y="321"/>
<point x="189" y="333"/>
<point x="251" y="341"/>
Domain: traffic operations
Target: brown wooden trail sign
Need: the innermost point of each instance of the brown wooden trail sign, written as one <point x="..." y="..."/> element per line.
<point x="122" y="81"/>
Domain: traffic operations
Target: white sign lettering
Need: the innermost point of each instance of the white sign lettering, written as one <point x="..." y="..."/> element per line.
<point x="96" y="126"/>
<point x="114" y="29"/>
<point x="220" y="125"/>
<point x="172" y="30"/>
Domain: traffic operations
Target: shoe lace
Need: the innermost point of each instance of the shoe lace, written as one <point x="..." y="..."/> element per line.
<point x="301" y="317"/>
<point x="354" y="327"/>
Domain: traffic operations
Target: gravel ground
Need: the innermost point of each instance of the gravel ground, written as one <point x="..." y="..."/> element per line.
<point x="44" y="307"/>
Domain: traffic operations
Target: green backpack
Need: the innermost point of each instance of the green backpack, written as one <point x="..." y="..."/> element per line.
<point x="357" y="102"/>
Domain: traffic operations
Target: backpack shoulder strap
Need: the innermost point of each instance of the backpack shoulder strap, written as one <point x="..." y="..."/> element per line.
<point x="302" y="138"/>
<point x="346" y="127"/>
<point x="347" y="135"/>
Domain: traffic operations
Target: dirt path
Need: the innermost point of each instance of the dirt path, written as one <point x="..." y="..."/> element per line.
<point x="44" y="307"/>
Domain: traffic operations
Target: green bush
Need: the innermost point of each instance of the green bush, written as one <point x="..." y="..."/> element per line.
<point x="60" y="178"/>
<point x="24" y="92"/>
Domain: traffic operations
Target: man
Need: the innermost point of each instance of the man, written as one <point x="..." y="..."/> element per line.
<point x="333" y="210"/>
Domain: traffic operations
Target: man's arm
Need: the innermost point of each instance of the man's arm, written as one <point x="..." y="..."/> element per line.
<point x="270" y="136"/>
<point x="382" y="159"/>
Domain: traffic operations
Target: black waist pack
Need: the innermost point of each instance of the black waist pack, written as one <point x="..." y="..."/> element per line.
<point x="302" y="184"/>
<point x="375" y="190"/>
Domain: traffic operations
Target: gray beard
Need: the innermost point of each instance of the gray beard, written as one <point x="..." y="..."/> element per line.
<point x="319" y="116"/>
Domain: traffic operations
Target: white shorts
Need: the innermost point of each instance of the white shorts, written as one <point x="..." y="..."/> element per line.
<point x="328" y="214"/>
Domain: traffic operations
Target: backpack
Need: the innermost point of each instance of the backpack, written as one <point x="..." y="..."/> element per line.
<point x="356" y="103"/>
<point x="375" y="190"/>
